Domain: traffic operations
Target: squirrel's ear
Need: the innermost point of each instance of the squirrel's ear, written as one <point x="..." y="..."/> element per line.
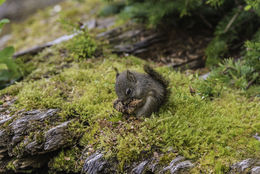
<point x="117" y="73"/>
<point x="130" y="76"/>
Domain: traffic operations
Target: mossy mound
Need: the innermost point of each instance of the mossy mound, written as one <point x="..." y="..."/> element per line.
<point x="213" y="132"/>
<point x="208" y="123"/>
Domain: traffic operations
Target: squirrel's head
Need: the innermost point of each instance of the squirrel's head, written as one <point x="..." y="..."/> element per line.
<point x="125" y="85"/>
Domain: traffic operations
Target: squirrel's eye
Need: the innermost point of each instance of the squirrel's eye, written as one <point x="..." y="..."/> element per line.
<point x="128" y="91"/>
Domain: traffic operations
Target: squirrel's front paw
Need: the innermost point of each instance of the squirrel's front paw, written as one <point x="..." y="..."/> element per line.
<point x="128" y="108"/>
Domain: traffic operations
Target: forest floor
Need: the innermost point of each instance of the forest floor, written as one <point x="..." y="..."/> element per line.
<point x="60" y="116"/>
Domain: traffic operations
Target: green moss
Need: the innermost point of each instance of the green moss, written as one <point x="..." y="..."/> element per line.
<point x="10" y="166"/>
<point x="167" y="158"/>
<point x="82" y="46"/>
<point x="19" y="149"/>
<point x="42" y="94"/>
<point x="90" y="138"/>
<point x="11" y="90"/>
<point x="49" y="62"/>
<point x="66" y="161"/>
<point x="134" y="143"/>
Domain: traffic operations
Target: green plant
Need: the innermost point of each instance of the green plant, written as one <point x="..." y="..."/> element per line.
<point x="112" y="8"/>
<point x="154" y="12"/>
<point x="3" y="21"/>
<point x="253" y="52"/>
<point x="236" y="74"/>
<point x="253" y="4"/>
<point x="233" y="29"/>
<point x="230" y="32"/>
<point x="82" y="46"/>
<point x="9" y="71"/>
<point x="243" y="73"/>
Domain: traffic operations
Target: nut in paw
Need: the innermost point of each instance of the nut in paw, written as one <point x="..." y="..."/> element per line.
<point x="128" y="108"/>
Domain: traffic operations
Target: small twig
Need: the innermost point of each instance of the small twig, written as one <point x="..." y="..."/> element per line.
<point x="251" y="82"/>
<point x="192" y="91"/>
<point x="228" y="68"/>
<point x="231" y="22"/>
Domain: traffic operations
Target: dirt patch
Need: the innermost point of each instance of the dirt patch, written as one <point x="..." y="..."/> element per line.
<point x="171" y="47"/>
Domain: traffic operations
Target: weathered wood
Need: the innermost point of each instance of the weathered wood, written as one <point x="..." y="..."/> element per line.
<point x="134" y="48"/>
<point x="245" y="166"/>
<point x="93" y="23"/>
<point x="33" y="153"/>
<point x="37" y="49"/>
<point x="190" y="64"/>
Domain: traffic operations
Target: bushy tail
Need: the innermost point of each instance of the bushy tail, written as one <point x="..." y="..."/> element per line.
<point x="159" y="78"/>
